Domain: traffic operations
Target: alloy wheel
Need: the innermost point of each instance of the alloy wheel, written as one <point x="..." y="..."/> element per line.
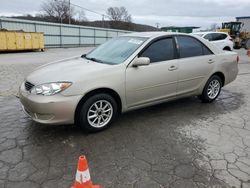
<point x="213" y="89"/>
<point x="100" y="113"/>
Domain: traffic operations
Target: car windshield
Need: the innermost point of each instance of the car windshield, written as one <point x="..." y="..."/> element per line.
<point x="116" y="51"/>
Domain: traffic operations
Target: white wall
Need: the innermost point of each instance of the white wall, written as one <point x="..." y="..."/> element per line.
<point x="62" y="35"/>
<point x="246" y="22"/>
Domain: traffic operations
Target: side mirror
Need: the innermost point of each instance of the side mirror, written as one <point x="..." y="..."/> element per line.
<point x="140" y="61"/>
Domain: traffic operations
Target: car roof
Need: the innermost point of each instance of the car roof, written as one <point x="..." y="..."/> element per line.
<point x="152" y="34"/>
<point x="207" y="32"/>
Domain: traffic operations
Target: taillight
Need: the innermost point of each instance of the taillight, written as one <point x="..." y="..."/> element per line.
<point x="237" y="59"/>
<point x="231" y="39"/>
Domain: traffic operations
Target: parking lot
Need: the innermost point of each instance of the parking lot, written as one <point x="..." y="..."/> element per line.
<point x="183" y="143"/>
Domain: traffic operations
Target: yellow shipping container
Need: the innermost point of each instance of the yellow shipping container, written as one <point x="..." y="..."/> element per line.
<point x="15" y="40"/>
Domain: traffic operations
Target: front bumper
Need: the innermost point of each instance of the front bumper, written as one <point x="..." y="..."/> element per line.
<point x="55" y="109"/>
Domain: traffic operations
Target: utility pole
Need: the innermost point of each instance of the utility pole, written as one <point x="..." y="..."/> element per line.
<point x="103" y="23"/>
<point x="157" y="25"/>
<point x="69" y="13"/>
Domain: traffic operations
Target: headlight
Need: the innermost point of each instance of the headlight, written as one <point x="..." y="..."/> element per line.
<point x="50" y="88"/>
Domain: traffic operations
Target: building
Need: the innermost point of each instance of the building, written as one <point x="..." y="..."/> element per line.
<point x="188" y="29"/>
<point x="246" y="23"/>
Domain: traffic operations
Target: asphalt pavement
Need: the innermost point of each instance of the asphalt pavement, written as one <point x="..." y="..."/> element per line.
<point x="182" y="143"/>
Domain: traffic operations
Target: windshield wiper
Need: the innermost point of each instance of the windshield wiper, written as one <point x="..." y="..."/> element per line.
<point x="96" y="60"/>
<point x="92" y="59"/>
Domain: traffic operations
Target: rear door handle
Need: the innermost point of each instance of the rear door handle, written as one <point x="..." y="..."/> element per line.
<point x="210" y="61"/>
<point x="172" y="67"/>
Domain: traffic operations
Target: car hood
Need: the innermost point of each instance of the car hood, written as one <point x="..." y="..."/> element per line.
<point x="66" y="70"/>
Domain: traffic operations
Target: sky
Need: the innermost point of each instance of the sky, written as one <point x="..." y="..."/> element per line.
<point x="201" y="13"/>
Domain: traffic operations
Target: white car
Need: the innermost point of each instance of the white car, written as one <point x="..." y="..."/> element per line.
<point x="220" y="39"/>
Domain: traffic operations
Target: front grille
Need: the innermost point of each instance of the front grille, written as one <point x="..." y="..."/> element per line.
<point x="28" y="85"/>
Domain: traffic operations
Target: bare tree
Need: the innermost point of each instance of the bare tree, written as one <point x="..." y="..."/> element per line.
<point x="119" y="14"/>
<point x="58" y="9"/>
<point x="80" y="16"/>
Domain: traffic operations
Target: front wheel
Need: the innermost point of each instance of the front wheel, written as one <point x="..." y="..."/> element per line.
<point x="211" y="90"/>
<point x="97" y="113"/>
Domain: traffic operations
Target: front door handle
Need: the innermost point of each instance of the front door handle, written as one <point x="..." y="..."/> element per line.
<point x="210" y="61"/>
<point x="172" y="68"/>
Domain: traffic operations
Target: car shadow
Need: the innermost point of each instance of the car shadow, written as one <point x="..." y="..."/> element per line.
<point x="172" y="113"/>
<point x="19" y="51"/>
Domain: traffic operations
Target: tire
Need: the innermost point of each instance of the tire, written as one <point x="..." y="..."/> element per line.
<point x="237" y="45"/>
<point x="92" y="119"/>
<point x="210" y="92"/>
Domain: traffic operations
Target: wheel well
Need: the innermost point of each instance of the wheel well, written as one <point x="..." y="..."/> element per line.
<point x="227" y="48"/>
<point x="222" y="77"/>
<point x="111" y="92"/>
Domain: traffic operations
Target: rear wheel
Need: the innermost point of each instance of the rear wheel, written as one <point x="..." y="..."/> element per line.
<point x="97" y="113"/>
<point x="211" y="90"/>
<point x="237" y="45"/>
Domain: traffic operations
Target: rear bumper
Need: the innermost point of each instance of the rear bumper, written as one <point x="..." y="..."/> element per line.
<point x="56" y="109"/>
<point x="231" y="74"/>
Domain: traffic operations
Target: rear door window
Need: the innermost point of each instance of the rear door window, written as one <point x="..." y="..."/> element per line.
<point x="219" y="36"/>
<point x="191" y="47"/>
<point x="206" y="51"/>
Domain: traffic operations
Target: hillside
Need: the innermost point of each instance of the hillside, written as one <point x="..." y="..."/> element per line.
<point x="99" y="23"/>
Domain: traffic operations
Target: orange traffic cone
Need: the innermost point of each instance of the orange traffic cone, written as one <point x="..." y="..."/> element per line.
<point x="248" y="52"/>
<point x="83" y="179"/>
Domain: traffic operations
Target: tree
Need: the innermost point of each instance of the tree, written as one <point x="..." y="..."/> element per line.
<point x="57" y="9"/>
<point x="119" y="14"/>
<point x="80" y="16"/>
